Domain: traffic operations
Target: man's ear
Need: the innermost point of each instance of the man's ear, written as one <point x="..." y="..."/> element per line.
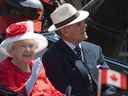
<point x="64" y="31"/>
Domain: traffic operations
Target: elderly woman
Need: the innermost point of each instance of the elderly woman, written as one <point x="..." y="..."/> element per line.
<point x="20" y="71"/>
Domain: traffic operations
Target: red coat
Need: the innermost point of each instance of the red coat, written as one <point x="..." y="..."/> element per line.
<point x="13" y="78"/>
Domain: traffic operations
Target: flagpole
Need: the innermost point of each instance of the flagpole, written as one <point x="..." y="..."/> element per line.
<point x="99" y="84"/>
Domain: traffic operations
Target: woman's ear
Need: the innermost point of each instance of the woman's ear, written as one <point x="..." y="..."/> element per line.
<point x="36" y="45"/>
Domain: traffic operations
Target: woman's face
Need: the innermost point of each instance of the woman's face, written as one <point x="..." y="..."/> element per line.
<point x="23" y="51"/>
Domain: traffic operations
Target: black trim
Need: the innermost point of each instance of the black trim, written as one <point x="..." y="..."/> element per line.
<point x="68" y="20"/>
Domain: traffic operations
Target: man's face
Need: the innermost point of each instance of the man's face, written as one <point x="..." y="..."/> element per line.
<point x="76" y="33"/>
<point x="23" y="51"/>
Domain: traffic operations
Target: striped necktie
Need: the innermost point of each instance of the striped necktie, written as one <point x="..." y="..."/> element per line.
<point x="78" y="53"/>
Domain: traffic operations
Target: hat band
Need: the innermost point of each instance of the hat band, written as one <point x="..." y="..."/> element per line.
<point x="70" y="19"/>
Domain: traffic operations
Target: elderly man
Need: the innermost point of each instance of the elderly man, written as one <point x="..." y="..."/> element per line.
<point x="72" y="63"/>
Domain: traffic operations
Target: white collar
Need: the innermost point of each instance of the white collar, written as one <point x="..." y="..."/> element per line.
<point x="72" y="46"/>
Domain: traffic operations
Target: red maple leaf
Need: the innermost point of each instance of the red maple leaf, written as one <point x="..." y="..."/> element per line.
<point x="114" y="77"/>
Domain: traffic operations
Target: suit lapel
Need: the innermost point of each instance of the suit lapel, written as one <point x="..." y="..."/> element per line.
<point x="67" y="51"/>
<point x="70" y="55"/>
<point x="86" y="57"/>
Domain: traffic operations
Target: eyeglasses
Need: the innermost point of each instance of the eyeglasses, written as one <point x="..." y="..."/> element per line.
<point x="30" y="46"/>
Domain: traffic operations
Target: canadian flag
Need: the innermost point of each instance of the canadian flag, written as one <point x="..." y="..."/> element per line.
<point x="112" y="77"/>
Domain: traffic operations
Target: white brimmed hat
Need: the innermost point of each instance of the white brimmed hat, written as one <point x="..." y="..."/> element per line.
<point x="23" y="31"/>
<point x="65" y="15"/>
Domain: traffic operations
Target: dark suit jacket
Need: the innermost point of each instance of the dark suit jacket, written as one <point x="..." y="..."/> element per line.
<point x="59" y="63"/>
